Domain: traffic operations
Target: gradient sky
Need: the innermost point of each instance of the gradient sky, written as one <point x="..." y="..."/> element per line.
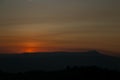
<point x="59" y="25"/>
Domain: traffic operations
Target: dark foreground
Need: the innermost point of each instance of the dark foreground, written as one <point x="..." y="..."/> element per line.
<point x="74" y="73"/>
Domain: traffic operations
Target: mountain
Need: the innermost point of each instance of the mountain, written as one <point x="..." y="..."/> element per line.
<point x="56" y="60"/>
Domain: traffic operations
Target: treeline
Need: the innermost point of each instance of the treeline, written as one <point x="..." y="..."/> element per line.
<point x="70" y="73"/>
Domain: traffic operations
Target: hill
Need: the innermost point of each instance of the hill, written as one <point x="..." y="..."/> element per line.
<point x="56" y="61"/>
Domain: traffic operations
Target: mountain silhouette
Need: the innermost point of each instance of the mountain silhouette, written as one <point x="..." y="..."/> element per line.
<point x="56" y="60"/>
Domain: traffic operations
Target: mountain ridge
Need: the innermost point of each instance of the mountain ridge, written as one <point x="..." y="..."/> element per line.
<point x="56" y="60"/>
<point x="88" y="52"/>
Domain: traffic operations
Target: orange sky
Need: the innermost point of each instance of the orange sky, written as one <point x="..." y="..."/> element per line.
<point x="61" y="25"/>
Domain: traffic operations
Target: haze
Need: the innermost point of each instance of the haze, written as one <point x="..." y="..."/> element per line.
<point x="59" y="25"/>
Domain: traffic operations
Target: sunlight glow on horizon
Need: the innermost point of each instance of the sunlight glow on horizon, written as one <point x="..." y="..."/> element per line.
<point x="59" y="25"/>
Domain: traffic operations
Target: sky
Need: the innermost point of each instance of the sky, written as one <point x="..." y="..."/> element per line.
<point x="59" y="25"/>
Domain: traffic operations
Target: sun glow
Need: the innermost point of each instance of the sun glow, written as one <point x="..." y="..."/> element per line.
<point x="29" y="50"/>
<point x="30" y="47"/>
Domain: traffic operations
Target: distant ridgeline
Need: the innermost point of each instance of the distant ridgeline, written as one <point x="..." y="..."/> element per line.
<point x="49" y="61"/>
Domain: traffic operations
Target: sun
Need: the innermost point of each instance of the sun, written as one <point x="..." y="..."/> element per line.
<point x="29" y="50"/>
<point x="30" y="47"/>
